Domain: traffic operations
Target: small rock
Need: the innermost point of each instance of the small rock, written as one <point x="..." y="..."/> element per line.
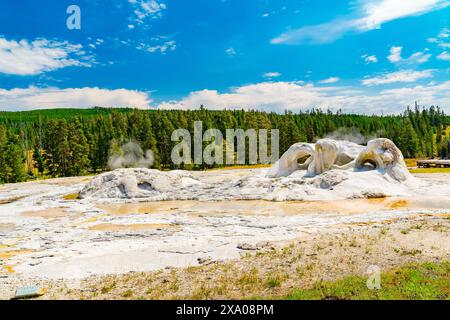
<point x="310" y="254"/>
<point x="254" y="246"/>
<point x="29" y="292"/>
<point x="204" y="260"/>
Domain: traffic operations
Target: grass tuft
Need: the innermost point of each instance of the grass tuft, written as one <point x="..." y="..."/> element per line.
<point x="426" y="281"/>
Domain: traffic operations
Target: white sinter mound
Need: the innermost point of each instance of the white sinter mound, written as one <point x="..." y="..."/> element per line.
<point x="326" y="170"/>
<point x="139" y="183"/>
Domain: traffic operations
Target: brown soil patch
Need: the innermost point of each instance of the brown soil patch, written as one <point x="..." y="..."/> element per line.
<point x="49" y="213"/>
<point x="7" y="227"/>
<point x="11" y="200"/>
<point x="156" y="207"/>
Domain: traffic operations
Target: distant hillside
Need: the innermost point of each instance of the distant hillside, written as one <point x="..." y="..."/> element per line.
<point x="31" y="116"/>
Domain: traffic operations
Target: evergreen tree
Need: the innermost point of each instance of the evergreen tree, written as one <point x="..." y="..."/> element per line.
<point x="39" y="161"/>
<point x="78" y="160"/>
<point x="12" y="159"/>
<point x="408" y="140"/>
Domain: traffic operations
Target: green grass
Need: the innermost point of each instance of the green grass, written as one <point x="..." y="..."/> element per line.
<point x="426" y="281"/>
<point x="273" y="281"/>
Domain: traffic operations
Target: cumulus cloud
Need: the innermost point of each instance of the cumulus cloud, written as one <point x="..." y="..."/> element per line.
<point x="268" y="96"/>
<point x="280" y="96"/>
<point x="368" y="15"/>
<point x="396" y="54"/>
<point x="398" y="76"/>
<point x="330" y="80"/>
<point x="419" y="57"/>
<point x="444" y="56"/>
<point x="41" y="55"/>
<point x="369" y="58"/>
<point x="230" y="52"/>
<point x="39" y="98"/>
<point x="442" y="38"/>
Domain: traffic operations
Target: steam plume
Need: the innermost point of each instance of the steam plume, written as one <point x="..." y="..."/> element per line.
<point x="129" y="155"/>
<point x="353" y="135"/>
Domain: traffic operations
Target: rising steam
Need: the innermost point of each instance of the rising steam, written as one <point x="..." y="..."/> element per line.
<point x="352" y="135"/>
<point x="129" y="155"/>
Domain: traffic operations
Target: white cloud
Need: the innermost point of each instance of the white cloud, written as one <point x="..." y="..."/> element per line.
<point x="163" y="48"/>
<point x="398" y="76"/>
<point x="38" y="98"/>
<point x="444" y="33"/>
<point x="160" y="44"/>
<point x="270" y="75"/>
<point x="444" y="56"/>
<point x="396" y="54"/>
<point x="97" y="42"/>
<point x="419" y="57"/>
<point x="41" y="55"/>
<point x="230" y="52"/>
<point x="369" y="15"/>
<point x="317" y="34"/>
<point x="269" y="96"/>
<point x="369" y="59"/>
<point x="144" y="9"/>
<point x="442" y="38"/>
<point x="280" y="96"/>
<point x="330" y="80"/>
<point x="379" y="12"/>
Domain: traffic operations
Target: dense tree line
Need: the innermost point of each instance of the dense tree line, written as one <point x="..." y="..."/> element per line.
<point x="70" y="142"/>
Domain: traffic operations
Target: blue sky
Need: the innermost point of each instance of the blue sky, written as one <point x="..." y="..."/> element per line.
<point x="374" y="56"/>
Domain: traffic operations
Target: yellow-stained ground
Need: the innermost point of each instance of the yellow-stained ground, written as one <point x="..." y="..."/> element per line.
<point x="261" y="207"/>
<point x="49" y="213"/>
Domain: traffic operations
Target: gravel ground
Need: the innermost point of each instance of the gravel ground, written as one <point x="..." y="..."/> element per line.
<point x="273" y="269"/>
<point x="229" y="249"/>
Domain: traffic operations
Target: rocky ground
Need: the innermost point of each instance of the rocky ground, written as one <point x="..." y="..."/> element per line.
<point x="166" y="249"/>
<point x="271" y="270"/>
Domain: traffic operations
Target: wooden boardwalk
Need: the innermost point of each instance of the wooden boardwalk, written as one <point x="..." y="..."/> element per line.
<point x="433" y="163"/>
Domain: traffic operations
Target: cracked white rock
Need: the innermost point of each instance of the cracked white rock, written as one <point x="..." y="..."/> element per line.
<point x="326" y="170"/>
<point x="382" y="154"/>
<point x="138" y="183"/>
<point x="316" y="158"/>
